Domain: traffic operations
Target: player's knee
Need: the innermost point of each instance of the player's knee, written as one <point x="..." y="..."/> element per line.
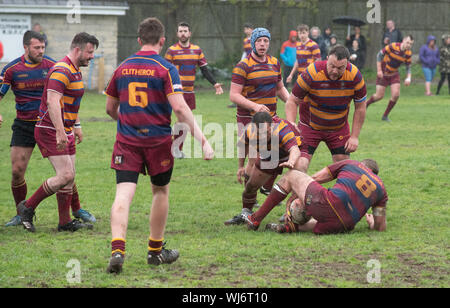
<point x="67" y="177"/>
<point x="18" y="172"/>
<point x="250" y="188"/>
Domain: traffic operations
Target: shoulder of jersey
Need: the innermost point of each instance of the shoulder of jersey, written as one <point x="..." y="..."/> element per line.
<point x="12" y="63"/>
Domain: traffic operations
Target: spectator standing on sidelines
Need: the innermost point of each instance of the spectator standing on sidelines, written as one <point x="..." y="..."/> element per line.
<point x="391" y="34"/>
<point x="444" y="66"/>
<point x="288" y="54"/>
<point x="429" y="57"/>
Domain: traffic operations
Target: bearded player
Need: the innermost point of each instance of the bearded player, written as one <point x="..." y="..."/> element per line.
<point x="187" y="57"/>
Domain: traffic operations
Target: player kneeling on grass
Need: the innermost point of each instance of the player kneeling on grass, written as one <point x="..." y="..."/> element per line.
<point x="334" y="210"/>
<point x="146" y="88"/>
<point x="275" y="145"/>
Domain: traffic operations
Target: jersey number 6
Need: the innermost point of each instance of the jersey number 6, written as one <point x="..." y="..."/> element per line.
<point x="137" y="98"/>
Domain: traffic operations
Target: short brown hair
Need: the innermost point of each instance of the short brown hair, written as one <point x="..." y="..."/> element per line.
<point x="81" y="39"/>
<point x="32" y="35"/>
<point x="371" y="164"/>
<point x="340" y="51"/>
<point x="301" y="28"/>
<point x="184" y="24"/>
<point x="150" y="31"/>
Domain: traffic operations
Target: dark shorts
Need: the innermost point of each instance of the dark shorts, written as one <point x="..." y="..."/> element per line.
<point x="272" y="171"/>
<point x="152" y="161"/>
<point x="190" y="100"/>
<point x="318" y="206"/>
<point x="335" y="140"/>
<point x="388" y="80"/>
<point x="46" y="141"/>
<point x="23" y="134"/>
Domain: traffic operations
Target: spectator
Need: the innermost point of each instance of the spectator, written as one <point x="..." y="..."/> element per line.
<point x="444" y="66"/>
<point x="429" y="57"/>
<point x="333" y="41"/>
<point x="392" y="34"/>
<point x="357" y="55"/>
<point x="288" y="55"/>
<point x="356" y="36"/>
<point x="326" y="43"/>
<point x="37" y="28"/>
<point x="314" y="34"/>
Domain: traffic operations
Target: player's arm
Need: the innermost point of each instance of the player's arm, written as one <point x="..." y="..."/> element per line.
<point x="291" y="108"/>
<point x="282" y="92"/>
<point x="358" y="120"/>
<point x="377" y="220"/>
<point x="4" y="87"/>
<point x="54" y="111"/>
<point x="208" y="76"/>
<point x="408" y="74"/>
<point x="184" y="115"/>
<point x="380" y="56"/>
<point x="294" y="155"/>
<point x="291" y="74"/>
<point x="112" y="107"/>
<point x="237" y="98"/>
<point x="323" y="176"/>
<point x="77" y="130"/>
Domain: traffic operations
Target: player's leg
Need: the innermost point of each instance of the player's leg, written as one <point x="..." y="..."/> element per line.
<point x="378" y="95"/>
<point x="395" y="94"/>
<point x="125" y="190"/>
<point x="441" y="82"/>
<point x="157" y="253"/>
<point x="20" y="156"/>
<point x="256" y="180"/>
<point x="64" y="176"/>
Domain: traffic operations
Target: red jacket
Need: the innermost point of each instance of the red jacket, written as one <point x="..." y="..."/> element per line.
<point x="1" y="50"/>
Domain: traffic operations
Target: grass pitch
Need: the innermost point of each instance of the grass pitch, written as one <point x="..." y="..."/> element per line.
<point x="414" y="156"/>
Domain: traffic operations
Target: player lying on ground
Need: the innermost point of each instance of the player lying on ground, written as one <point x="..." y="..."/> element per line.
<point x="335" y="210"/>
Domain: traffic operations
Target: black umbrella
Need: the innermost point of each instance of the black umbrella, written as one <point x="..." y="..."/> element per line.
<point x="349" y="21"/>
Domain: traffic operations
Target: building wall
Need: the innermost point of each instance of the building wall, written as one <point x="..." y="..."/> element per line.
<point x="60" y="34"/>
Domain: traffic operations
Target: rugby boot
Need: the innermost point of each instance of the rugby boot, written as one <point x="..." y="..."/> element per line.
<point x="15" y="221"/>
<point x="165" y="256"/>
<point x="251" y="224"/>
<point x="85" y="216"/>
<point x="238" y="219"/>
<point x="26" y="215"/>
<point x="74" y="225"/>
<point x="386" y="119"/>
<point x="115" y="263"/>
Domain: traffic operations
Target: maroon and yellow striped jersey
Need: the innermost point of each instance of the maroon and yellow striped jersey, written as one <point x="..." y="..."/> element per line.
<point x="394" y="57"/>
<point x="307" y="53"/>
<point x="64" y="78"/>
<point x="259" y="81"/>
<point x="247" y="46"/>
<point x="186" y="60"/>
<point x="326" y="102"/>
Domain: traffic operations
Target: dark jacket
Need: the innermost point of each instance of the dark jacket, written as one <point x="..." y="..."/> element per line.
<point x="394" y="37"/>
<point x="429" y="57"/>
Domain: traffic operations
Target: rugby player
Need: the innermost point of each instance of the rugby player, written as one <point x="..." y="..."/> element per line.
<point x="54" y="133"/>
<point x="142" y="93"/>
<point x="389" y="60"/>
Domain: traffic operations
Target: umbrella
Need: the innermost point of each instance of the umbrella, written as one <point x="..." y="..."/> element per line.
<point x="349" y="21"/>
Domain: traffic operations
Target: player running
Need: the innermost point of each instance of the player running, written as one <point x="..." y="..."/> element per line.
<point x="146" y="88"/>
<point x="339" y="208"/>
<point x="187" y="57"/>
<point x="389" y="60"/>
<point x="273" y="145"/>
<point x="26" y="76"/>
<point x="54" y="133"/>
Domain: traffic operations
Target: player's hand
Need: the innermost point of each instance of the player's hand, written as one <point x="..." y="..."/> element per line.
<point x="240" y="175"/>
<point x="287" y="164"/>
<point x="260" y="108"/>
<point x="208" y="152"/>
<point x="218" y="87"/>
<point x="370" y="221"/>
<point x="1" y="120"/>
<point x="289" y="79"/>
<point x="380" y="74"/>
<point x="351" y="145"/>
<point x="1" y="78"/>
<point x="61" y="140"/>
<point x="78" y="135"/>
<point x="407" y="81"/>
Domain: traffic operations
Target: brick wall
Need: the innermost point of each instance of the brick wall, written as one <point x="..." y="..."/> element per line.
<point x="60" y="34"/>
